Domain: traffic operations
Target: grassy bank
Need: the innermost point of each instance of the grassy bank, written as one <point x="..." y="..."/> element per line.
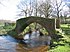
<point x="5" y="28"/>
<point x="64" y="44"/>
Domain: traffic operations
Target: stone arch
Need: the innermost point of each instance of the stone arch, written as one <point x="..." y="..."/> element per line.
<point x="21" y="24"/>
<point x="33" y="27"/>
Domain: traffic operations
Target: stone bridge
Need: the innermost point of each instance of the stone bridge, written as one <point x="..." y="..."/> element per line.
<point x="21" y="24"/>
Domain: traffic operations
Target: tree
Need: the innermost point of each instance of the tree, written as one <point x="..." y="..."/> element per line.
<point x="45" y="9"/>
<point x="69" y="9"/>
<point x="57" y="9"/>
<point x="21" y="6"/>
<point x="25" y="8"/>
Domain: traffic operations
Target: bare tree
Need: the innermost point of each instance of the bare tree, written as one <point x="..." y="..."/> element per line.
<point x="69" y="9"/>
<point x="25" y="8"/>
<point x="57" y="9"/>
<point x="36" y="7"/>
<point x="45" y="9"/>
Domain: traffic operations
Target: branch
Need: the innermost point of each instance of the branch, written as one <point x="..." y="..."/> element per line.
<point x="2" y="4"/>
<point x="60" y="4"/>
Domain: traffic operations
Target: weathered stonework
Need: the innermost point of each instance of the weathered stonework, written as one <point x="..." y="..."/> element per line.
<point x="21" y="24"/>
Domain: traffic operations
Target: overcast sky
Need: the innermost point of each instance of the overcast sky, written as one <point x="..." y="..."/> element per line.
<point x="8" y="9"/>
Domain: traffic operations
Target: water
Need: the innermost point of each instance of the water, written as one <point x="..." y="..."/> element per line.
<point x="36" y="42"/>
<point x="9" y="44"/>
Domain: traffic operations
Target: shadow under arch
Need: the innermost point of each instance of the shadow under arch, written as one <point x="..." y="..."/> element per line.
<point x="21" y="24"/>
<point x="33" y="26"/>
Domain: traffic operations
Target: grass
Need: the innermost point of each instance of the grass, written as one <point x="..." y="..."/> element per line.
<point x="66" y="28"/>
<point x="61" y="49"/>
<point x="66" y="47"/>
<point x="4" y="29"/>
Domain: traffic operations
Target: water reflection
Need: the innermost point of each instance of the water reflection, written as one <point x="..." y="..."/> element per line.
<point x="36" y="42"/>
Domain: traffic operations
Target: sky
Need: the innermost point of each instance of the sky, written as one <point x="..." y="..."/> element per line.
<point x="8" y="9"/>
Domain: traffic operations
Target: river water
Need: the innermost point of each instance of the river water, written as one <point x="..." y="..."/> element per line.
<point x="9" y="44"/>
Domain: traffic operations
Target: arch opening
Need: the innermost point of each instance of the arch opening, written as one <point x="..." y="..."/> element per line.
<point x="34" y="26"/>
